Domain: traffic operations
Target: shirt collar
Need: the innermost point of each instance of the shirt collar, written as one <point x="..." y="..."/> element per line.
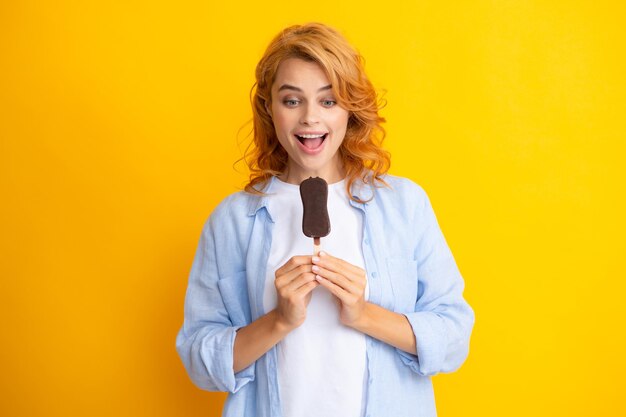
<point x="257" y="202"/>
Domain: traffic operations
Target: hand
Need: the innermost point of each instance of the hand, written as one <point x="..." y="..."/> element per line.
<point x="346" y="282"/>
<point x="294" y="283"/>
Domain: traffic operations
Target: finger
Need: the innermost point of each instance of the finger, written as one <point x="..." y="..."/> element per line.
<point x="298" y="282"/>
<point x="292" y="263"/>
<point x="352" y="272"/>
<point x="336" y="279"/>
<point x="307" y="288"/>
<point x="286" y="278"/>
<point x="326" y="258"/>
<point x="335" y="289"/>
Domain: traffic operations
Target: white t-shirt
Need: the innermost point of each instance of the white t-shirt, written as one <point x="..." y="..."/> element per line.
<point x="322" y="364"/>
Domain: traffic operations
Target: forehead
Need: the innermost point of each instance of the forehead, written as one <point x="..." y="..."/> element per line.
<point x="300" y="73"/>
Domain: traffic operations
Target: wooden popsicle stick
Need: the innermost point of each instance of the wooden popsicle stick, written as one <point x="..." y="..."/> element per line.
<point x="316" y="246"/>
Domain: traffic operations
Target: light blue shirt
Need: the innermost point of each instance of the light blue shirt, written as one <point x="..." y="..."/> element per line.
<point x="410" y="271"/>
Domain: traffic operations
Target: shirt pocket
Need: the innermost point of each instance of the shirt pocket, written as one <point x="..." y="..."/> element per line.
<point x="403" y="276"/>
<point x="234" y="292"/>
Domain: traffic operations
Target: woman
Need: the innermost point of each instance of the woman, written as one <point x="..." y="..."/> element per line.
<point x="357" y="330"/>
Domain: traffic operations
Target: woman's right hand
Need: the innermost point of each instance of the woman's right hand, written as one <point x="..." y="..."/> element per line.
<point x="294" y="283"/>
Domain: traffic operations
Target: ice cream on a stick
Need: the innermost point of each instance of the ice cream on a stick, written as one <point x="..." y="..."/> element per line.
<point x="315" y="220"/>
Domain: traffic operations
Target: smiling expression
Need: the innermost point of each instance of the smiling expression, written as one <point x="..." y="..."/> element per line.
<point x="309" y="123"/>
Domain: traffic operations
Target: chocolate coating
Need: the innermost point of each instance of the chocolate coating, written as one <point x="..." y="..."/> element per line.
<point x="315" y="220"/>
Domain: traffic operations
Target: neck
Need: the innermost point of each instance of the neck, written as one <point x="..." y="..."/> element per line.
<point x="293" y="176"/>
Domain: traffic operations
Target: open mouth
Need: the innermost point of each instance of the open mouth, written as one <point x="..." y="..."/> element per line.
<point x="312" y="141"/>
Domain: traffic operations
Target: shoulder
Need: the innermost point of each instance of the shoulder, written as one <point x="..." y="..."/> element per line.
<point x="233" y="204"/>
<point x="402" y="191"/>
<point x="232" y="212"/>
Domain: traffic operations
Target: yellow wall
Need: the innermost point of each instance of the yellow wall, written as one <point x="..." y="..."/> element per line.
<point x="118" y="130"/>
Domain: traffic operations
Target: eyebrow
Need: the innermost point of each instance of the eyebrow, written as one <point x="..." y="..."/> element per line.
<point x="294" y="88"/>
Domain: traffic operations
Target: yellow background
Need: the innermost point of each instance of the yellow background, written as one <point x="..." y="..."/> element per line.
<point x="119" y="128"/>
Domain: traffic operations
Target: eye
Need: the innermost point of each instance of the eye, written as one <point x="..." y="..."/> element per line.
<point x="328" y="103"/>
<point x="290" y="102"/>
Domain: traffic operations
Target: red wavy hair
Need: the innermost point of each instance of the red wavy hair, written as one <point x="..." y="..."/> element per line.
<point x="361" y="150"/>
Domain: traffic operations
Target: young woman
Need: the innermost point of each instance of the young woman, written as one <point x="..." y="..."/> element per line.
<point x="357" y="330"/>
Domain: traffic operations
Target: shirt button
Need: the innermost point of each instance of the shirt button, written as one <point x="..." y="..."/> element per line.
<point x="374" y="274"/>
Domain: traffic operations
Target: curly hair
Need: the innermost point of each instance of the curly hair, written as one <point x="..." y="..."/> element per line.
<point x="361" y="150"/>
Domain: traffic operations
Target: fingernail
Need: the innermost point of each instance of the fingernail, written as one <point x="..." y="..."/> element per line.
<point x="316" y="259"/>
<point x="322" y="253"/>
<point x="315" y="268"/>
<point x="317" y="277"/>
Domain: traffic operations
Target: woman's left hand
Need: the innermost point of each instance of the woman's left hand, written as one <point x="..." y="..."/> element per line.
<point x="346" y="282"/>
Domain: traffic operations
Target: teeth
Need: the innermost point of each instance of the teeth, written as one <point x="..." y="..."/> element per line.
<point x="310" y="136"/>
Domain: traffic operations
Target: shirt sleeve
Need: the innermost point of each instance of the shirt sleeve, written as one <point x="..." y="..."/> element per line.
<point x="206" y="340"/>
<point x="442" y="320"/>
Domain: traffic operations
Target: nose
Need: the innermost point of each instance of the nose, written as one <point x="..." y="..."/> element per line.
<point x="309" y="115"/>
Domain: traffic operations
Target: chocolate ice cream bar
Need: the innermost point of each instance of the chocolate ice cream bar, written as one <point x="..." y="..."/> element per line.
<point x="315" y="220"/>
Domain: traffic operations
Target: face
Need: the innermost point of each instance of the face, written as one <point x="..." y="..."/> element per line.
<point x="309" y="123"/>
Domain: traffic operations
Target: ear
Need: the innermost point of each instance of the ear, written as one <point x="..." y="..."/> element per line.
<point x="268" y="110"/>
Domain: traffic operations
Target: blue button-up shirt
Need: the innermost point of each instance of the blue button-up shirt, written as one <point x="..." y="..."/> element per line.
<point x="410" y="271"/>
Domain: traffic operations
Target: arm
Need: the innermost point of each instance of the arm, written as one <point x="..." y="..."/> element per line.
<point x="434" y="336"/>
<point x="294" y="283"/>
<point x="216" y="346"/>
<point x="442" y="320"/>
<point x="254" y="340"/>
<point x="205" y="341"/>
<point x="387" y="326"/>
<point x="347" y="282"/>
